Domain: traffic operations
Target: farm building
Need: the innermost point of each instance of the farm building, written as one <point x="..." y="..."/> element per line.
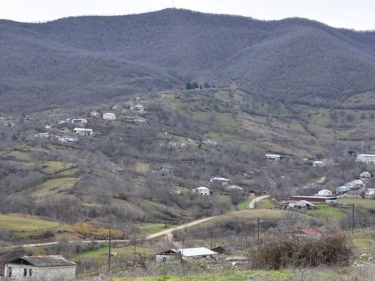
<point x="40" y="268"/>
<point x="366" y="158"/>
<point x="186" y="253"/>
<point x="314" y="199"/>
<point x="83" y="132"/>
<point x="202" y="190"/>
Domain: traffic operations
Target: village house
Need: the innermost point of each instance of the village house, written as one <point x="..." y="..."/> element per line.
<point x="202" y="190"/>
<point x="324" y="192"/>
<point x="222" y="181"/>
<point x="109" y="116"/>
<point x="355" y="184"/>
<point x="365" y="175"/>
<point x="40" y="268"/>
<point x="366" y="158"/>
<point x="186" y="253"/>
<point x="83" y="132"/>
<point x="342" y="189"/>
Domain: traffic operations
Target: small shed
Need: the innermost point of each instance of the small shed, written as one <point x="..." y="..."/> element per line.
<point x="40" y="268"/>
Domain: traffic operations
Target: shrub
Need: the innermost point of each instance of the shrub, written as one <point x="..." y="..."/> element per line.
<point x="284" y="250"/>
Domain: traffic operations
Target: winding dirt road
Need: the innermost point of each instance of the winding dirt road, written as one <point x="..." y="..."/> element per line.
<point x="256" y="200"/>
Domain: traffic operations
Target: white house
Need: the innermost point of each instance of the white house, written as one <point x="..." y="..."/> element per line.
<point x="40" y="268"/>
<point x="342" y="189"/>
<point x="202" y="190"/>
<point x="366" y="158"/>
<point x="355" y="184"/>
<point x="273" y="156"/>
<point x="325" y="192"/>
<point x="319" y="164"/>
<point x="83" y="132"/>
<point x="222" y="181"/>
<point x="109" y="116"/>
<point x="365" y="175"/>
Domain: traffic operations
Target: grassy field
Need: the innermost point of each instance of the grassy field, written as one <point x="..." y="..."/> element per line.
<point x="149" y="228"/>
<point x="22" y="226"/>
<point x="55" y="186"/>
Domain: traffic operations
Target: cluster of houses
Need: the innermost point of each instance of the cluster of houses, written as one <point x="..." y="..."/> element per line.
<point x="357" y="187"/>
<point x="205" y="191"/>
<point x="66" y="134"/>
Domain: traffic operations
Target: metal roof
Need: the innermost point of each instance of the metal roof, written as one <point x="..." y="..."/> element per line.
<point x="195" y="252"/>
<point x="43" y="261"/>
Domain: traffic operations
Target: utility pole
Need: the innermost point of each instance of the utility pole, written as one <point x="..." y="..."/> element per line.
<point x="352" y="218"/>
<point x="134" y="250"/>
<point x="258" y="228"/>
<point x="109" y="251"/>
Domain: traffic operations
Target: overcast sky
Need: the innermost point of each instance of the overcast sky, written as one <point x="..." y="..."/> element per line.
<point x="359" y="14"/>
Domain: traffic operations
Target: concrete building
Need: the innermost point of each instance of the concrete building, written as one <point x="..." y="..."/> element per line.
<point x="40" y="268"/>
<point x="109" y="116"/>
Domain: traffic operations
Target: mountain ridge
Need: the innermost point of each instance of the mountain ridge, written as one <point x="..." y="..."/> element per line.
<point x="140" y="54"/>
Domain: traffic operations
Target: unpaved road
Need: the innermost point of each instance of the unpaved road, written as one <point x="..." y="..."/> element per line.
<point x="167" y="232"/>
<point x="256" y="200"/>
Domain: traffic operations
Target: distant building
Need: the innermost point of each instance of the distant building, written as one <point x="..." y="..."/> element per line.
<point x="342" y="189"/>
<point x="273" y="156"/>
<point x="314" y="199"/>
<point x="109" y="116"/>
<point x="42" y="135"/>
<point x="325" y="192"/>
<point x="138" y="107"/>
<point x="83" y="132"/>
<point x="79" y="121"/>
<point x="202" y="190"/>
<point x="40" y="268"/>
<point x="186" y="253"/>
<point x="366" y="158"/>
<point x="95" y="114"/>
<point x="319" y="164"/>
<point x="222" y="181"/>
<point x="365" y="175"/>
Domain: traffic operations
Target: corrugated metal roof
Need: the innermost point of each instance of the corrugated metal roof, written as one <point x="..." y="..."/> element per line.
<point x="43" y="261"/>
<point x="195" y="252"/>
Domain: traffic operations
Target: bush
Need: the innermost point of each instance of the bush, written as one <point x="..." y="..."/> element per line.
<point x="333" y="247"/>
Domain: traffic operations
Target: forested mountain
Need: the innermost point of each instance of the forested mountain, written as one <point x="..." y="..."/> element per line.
<point x="87" y="60"/>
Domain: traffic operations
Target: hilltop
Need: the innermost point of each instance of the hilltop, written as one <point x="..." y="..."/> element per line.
<point x="91" y="60"/>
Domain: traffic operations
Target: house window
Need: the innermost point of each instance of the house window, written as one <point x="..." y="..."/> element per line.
<point x="30" y="272"/>
<point x="24" y="272"/>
